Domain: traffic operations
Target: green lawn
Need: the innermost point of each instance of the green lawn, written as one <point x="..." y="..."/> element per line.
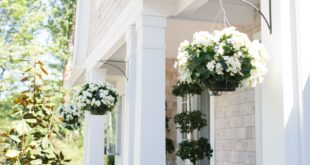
<point x="72" y="149"/>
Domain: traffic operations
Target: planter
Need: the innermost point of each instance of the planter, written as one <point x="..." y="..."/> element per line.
<point x="222" y="86"/>
<point x="98" y="112"/>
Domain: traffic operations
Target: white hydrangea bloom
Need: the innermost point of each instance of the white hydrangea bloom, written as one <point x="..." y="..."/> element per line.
<point x="183" y="45"/>
<point x="234" y="65"/>
<point x="211" y="65"/>
<point x="260" y="58"/>
<point x="202" y="38"/>
<point x="219" y="69"/>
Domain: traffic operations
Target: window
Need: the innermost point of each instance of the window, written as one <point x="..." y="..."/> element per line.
<point x="185" y="103"/>
<point x="113" y="129"/>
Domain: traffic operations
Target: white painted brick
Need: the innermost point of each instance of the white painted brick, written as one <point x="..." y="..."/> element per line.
<point x="237" y="156"/>
<point x="231" y="111"/>
<point x="219" y="113"/>
<point x="250" y="158"/>
<point x="250" y="95"/>
<point x="250" y="133"/>
<point x="223" y="156"/>
<point x="249" y="120"/>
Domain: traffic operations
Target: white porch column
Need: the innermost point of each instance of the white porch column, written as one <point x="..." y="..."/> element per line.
<point x="130" y="97"/>
<point x="303" y="33"/>
<point x="280" y="100"/>
<point x="94" y="126"/>
<point x="150" y="93"/>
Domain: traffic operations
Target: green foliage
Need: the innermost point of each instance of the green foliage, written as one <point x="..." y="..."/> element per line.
<point x="169" y="146"/>
<point x="195" y="150"/>
<point x="110" y="160"/>
<point x="184" y="88"/>
<point x="30" y="140"/>
<point x="25" y="34"/>
<point x="187" y="122"/>
<point x="169" y="142"/>
<point x="29" y="27"/>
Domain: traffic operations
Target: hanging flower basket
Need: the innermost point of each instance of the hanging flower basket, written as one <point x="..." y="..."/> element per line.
<point x="222" y="61"/>
<point x="97" y="98"/>
<point x="71" y="116"/>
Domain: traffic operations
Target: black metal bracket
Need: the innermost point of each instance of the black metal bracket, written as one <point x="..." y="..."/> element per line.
<point x="269" y="23"/>
<point x="110" y="62"/>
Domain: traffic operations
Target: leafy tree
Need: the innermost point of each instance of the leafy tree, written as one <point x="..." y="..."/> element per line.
<point x="30" y="141"/>
<point x="33" y="32"/>
<point x="27" y="25"/>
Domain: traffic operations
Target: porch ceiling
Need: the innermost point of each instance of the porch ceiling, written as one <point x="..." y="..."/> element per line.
<point x="238" y="13"/>
<point x="236" y="1"/>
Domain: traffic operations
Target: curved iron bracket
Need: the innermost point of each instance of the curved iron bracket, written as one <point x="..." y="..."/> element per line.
<point x="269" y="23"/>
<point x="109" y="62"/>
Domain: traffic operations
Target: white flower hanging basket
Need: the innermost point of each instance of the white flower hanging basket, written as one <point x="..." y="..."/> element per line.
<point x="97" y="98"/>
<point x="222" y="61"/>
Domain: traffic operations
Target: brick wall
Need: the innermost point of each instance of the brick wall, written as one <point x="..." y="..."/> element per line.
<point x="235" y="121"/>
<point x="235" y="128"/>
<point x="103" y="14"/>
<point x="171" y="79"/>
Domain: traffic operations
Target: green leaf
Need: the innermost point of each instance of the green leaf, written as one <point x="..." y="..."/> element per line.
<point x="22" y="127"/>
<point x="33" y="121"/>
<point x="61" y="155"/>
<point x="15" y="138"/>
<point x="45" y="143"/>
<point x="12" y="153"/>
<point x="43" y="70"/>
<point x="36" y="162"/>
<point x="28" y="155"/>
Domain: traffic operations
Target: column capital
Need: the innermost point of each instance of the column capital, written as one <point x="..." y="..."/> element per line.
<point x="151" y="32"/>
<point x="145" y="20"/>
<point x="131" y="43"/>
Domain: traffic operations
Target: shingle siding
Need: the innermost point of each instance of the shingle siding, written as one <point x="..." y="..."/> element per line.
<point x="103" y="14"/>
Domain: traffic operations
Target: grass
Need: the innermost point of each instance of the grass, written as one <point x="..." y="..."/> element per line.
<point x="72" y="148"/>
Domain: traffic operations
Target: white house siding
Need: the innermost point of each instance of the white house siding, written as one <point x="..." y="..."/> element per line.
<point x="103" y="14"/>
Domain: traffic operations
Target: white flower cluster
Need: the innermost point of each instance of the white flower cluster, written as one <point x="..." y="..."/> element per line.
<point x="98" y="95"/>
<point x="71" y="115"/>
<point x="259" y="62"/>
<point x="228" y="52"/>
